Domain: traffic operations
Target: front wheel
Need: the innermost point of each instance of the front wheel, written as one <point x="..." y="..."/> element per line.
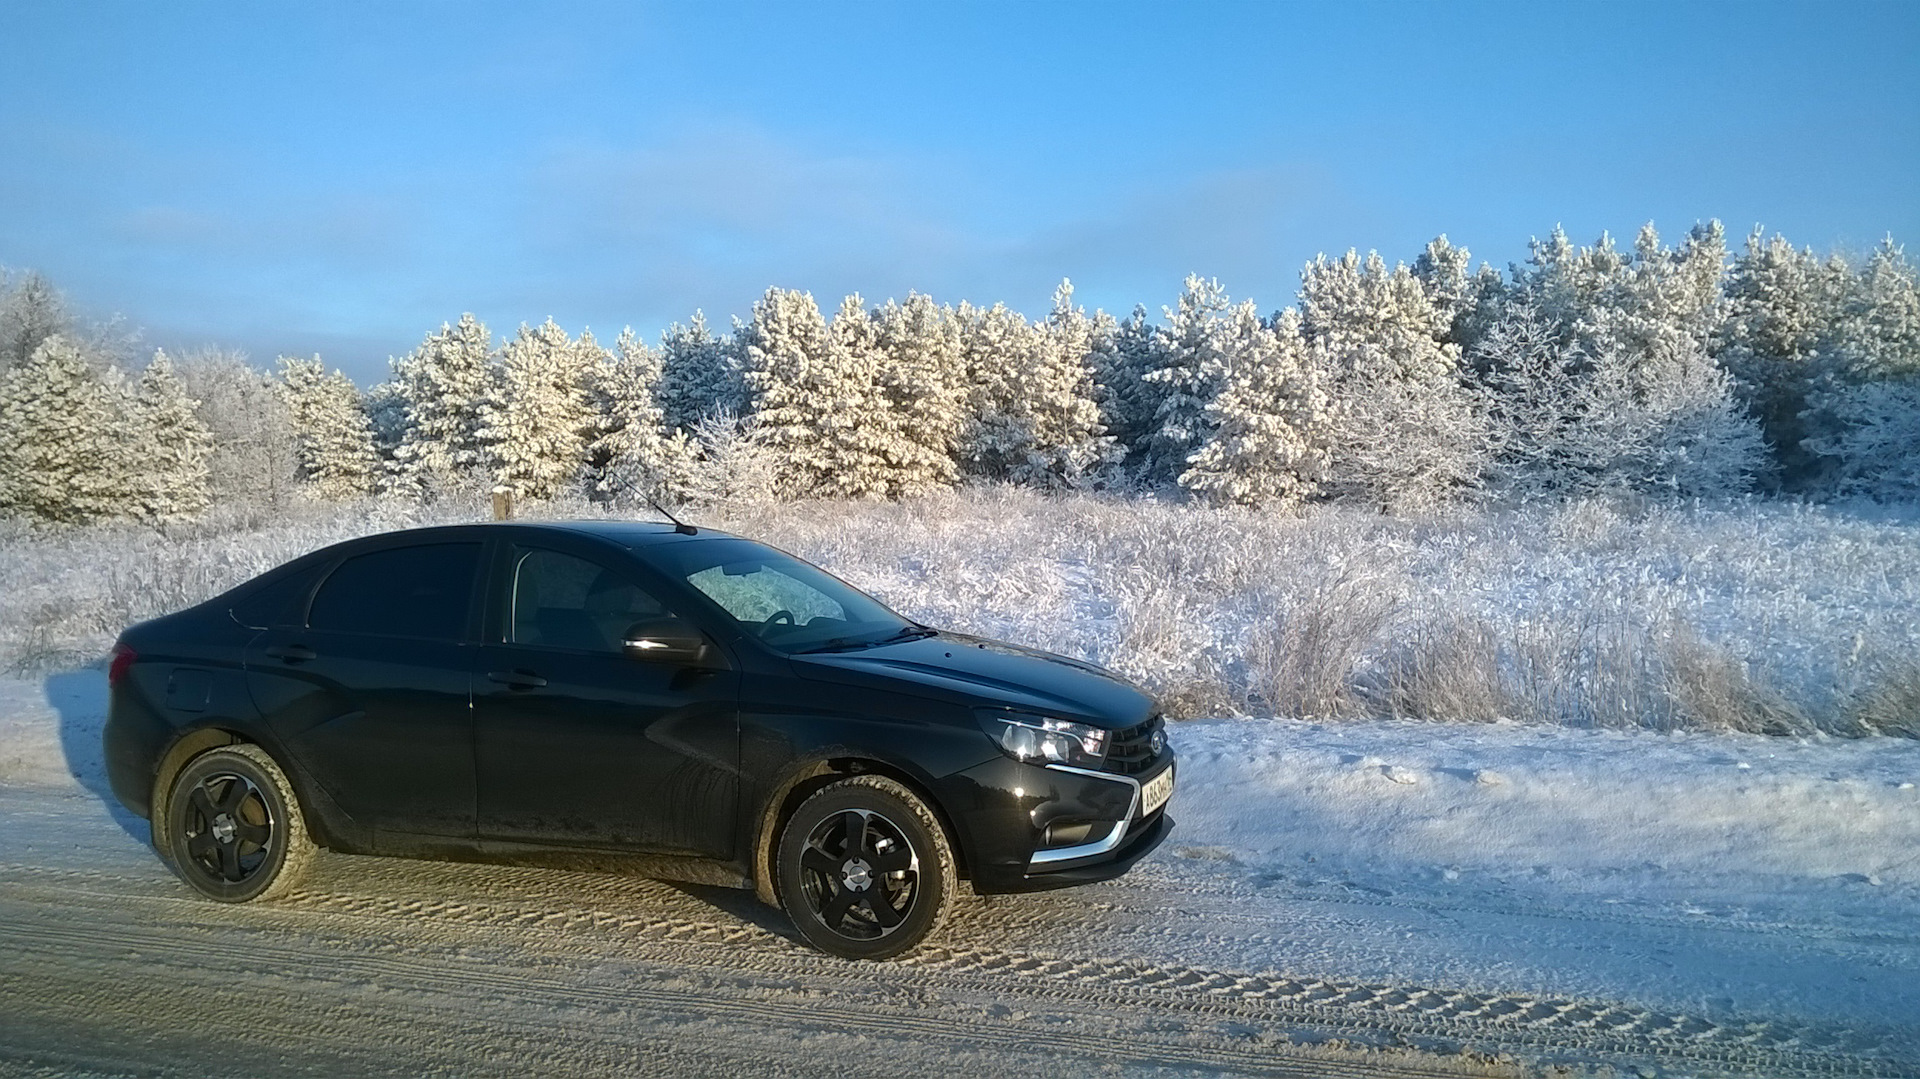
<point x="865" y="869"/>
<point x="232" y="828"/>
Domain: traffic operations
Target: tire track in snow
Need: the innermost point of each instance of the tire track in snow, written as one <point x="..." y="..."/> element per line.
<point x="721" y="997"/>
<point x="1276" y="1003"/>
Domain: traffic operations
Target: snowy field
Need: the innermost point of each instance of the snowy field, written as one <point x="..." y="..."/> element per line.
<point x="1360" y="897"/>
<point x="1753" y="616"/>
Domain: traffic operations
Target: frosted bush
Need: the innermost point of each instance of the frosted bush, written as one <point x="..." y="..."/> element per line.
<point x="1748" y="616"/>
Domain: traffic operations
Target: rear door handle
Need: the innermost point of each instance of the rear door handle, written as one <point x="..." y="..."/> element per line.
<point x="293" y="653"/>
<point x="516" y="679"/>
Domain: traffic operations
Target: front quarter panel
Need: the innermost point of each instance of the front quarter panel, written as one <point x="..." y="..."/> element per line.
<point x="788" y="725"/>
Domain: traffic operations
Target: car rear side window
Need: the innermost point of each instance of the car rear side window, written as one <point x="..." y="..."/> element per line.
<point x="560" y="601"/>
<point x="278" y="602"/>
<point x="419" y="591"/>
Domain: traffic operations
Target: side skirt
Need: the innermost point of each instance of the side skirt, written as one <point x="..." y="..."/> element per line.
<point x="684" y="868"/>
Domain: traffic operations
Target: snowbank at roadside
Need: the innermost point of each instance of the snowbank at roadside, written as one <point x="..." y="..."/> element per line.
<point x="1631" y="816"/>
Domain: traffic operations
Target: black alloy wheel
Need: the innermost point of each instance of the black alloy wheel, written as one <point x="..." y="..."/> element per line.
<point x="866" y="871"/>
<point x="233" y="829"/>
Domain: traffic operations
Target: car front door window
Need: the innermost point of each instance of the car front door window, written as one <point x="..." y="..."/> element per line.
<point x="560" y="601"/>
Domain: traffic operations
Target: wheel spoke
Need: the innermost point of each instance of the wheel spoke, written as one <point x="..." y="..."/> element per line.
<point x="199" y="845"/>
<point x="237" y="791"/>
<point x="819" y="861"/>
<point x="201" y="803"/>
<point x="230" y="862"/>
<point x="897" y="858"/>
<point x="256" y="834"/>
<point x="834" y="910"/>
<point x="856" y="830"/>
<point x="876" y="903"/>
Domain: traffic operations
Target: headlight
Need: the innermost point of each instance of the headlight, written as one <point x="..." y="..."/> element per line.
<point x="1043" y="740"/>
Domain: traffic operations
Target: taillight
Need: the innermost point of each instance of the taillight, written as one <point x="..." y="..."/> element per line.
<point x="123" y="658"/>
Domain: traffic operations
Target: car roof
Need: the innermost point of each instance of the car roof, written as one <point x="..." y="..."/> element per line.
<point x="624" y="533"/>
<point x="634" y="533"/>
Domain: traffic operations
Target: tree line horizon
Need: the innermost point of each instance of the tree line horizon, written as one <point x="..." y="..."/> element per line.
<point x="1682" y="371"/>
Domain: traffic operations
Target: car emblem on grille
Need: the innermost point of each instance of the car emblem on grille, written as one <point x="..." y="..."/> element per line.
<point x="1158" y="742"/>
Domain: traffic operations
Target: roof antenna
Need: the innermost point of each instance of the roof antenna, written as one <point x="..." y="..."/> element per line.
<point x="679" y="526"/>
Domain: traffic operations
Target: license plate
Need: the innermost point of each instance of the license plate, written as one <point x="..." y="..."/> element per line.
<point x="1156" y="792"/>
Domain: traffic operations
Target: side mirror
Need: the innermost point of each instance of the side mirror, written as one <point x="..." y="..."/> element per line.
<point x="667" y="640"/>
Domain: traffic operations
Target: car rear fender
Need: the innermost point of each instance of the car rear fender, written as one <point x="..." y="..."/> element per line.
<point x="326" y="822"/>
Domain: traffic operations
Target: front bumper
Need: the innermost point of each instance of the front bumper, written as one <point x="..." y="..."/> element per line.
<point x="1013" y="805"/>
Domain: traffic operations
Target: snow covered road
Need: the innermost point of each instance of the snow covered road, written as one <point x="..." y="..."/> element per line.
<point x="1357" y="899"/>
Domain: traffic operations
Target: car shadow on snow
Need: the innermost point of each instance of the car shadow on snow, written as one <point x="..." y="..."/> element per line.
<point x="743" y="904"/>
<point x="80" y="699"/>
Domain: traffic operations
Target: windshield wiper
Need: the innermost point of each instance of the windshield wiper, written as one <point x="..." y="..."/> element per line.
<point x="848" y="644"/>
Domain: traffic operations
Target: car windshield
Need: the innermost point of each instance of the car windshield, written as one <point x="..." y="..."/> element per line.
<point x="792" y="605"/>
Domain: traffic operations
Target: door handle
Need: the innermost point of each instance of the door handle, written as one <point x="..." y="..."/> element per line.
<point x="516" y="679"/>
<point x="292" y="653"/>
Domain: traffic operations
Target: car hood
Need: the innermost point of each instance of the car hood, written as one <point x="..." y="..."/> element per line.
<point x="978" y="672"/>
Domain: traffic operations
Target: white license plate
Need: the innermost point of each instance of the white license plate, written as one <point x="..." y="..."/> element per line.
<point x="1156" y="792"/>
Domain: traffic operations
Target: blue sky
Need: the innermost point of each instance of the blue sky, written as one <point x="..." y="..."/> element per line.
<point x="341" y="178"/>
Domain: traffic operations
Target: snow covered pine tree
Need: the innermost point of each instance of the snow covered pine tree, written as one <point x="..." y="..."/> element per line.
<point x="335" y="438"/>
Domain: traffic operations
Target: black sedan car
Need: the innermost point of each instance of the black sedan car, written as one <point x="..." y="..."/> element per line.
<point x="644" y="698"/>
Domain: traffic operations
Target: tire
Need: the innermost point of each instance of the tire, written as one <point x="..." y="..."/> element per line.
<point x="232" y="828"/>
<point x="865" y="869"/>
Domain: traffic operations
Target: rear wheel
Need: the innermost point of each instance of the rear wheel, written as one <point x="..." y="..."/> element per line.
<point x="232" y="828"/>
<point x="865" y="869"/>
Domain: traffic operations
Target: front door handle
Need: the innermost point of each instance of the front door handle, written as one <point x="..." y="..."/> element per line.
<point x="516" y="679"/>
<point x="292" y="653"/>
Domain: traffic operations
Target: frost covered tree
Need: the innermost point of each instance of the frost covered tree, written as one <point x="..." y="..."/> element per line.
<point x="1879" y="332"/>
<point x="1657" y="412"/>
<point x="1782" y="308"/>
<point x="1036" y="417"/>
<point x="633" y="455"/>
<point x="1268" y="441"/>
<point x="996" y="343"/>
<point x="1659" y="302"/>
<point x="1857" y="419"/>
<point x="445" y="383"/>
<point x="700" y="375"/>
<point x="922" y="384"/>
<point x="860" y="433"/>
<point x="334" y="438"/>
<point x="731" y="464"/>
<point x="31" y="310"/>
<point x="1066" y="440"/>
<point x="814" y="394"/>
<point x="62" y="439"/>
<point x="1533" y="379"/>
<point x="169" y="444"/>
<point x="1468" y="301"/>
<point x="1672" y="426"/>
<point x="534" y="429"/>
<point x="1405" y="432"/>
<point x="1190" y="372"/>
<point x="386" y="407"/>
<point x="252" y="464"/>
<point x="785" y="348"/>
<point x="1127" y="400"/>
<point x="1871" y="436"/>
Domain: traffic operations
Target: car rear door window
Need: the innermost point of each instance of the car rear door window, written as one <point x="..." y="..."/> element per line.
<point x="560" y="601"/>
<point x="421" y="592"/>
